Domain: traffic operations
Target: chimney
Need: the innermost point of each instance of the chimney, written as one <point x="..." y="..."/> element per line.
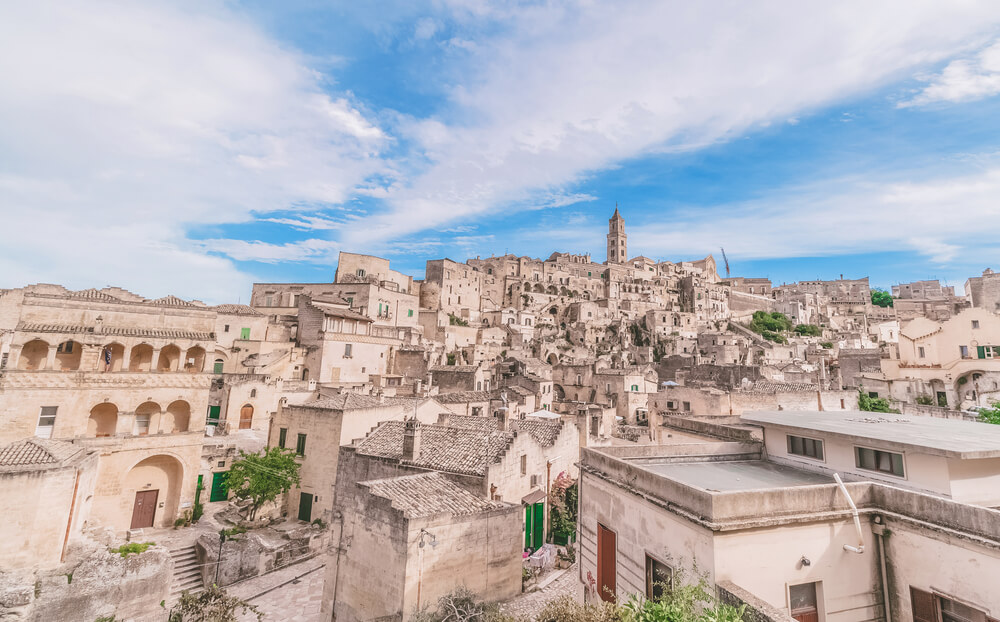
<point x="501" y="417"/>
<point x="411" y="439"/>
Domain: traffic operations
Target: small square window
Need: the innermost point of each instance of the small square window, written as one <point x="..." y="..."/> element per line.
<point x="221" y="463"/>
<point x="225" y="328"/>
<point x="921" y="352"/>
<point x="975" y="323"/>
<point x="524" y="464"/>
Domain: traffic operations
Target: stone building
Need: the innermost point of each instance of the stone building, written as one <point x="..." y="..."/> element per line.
<point x="761" y="515"/>
<point x="412" y="539"/>
<point x="120" y="375"/>
<point x="983" y="291"/>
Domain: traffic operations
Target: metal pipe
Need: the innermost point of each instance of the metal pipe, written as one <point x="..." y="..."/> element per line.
<point x="857" y="521"/>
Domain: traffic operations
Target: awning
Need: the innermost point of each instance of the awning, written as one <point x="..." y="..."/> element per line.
<point x="533" y="497"/>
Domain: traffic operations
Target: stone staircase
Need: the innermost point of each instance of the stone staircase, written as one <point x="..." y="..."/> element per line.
<point x="187" y="573"/>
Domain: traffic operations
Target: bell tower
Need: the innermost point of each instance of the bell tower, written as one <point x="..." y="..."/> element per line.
<point x="617" y="240"/>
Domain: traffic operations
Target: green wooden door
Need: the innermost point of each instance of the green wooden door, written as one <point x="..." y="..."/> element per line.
<point x="213" y="414"/>
<point x="220" y="492"/>
<point x="538" y="520"/>
<point x="305" y="506"/>
<point x="244" y="333"/>
<point x="197" y="491"/>
<point x="527" y="526"/>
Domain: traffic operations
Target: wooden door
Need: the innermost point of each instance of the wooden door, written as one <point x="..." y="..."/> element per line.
<point x="607" y="564"/>
<point x="246" y="417"/>
<point x="144" y="510"/>
<point x="220" y="491"/>
<point x="305" y="506"/>
<point x="803" y="604"/>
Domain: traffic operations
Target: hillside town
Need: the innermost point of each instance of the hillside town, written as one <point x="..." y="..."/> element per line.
<point x="521" y="429"/>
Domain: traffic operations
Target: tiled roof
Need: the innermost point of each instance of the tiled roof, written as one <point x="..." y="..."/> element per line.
<point x="427" y="494"/>
<point x="94" y="294"/>
<point x="460" y="368"/>
<point x="767" y="387"/>
<point x="483" y="424"/>
<point x="36" y="453"/>
<point x="544" y="431"/>
<point x="328" y="308"/>
<point x="442" y="448"/>
<point x="459" y="397"/>
<point x="171" y="301"/>
<point x="115" y="330"/>
<point x="349" y="401"/>
<point x="230" y="309"/>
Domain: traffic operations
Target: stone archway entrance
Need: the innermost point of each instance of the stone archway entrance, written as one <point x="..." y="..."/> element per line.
<point x="246" y="417"/>
<point x="153" y="488"/>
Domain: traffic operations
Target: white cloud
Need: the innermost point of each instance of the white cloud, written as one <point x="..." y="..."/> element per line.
<point x="936" y="217"/>
<point x="963" y="80"/>
<point x="566" y="89"/>
<point x="312" y="250"/>
<point x="127" y="124"/>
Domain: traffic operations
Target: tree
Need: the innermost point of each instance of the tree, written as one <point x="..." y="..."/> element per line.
<point x="881" y="298"/>
<point x="262" y="477"/>
<point x="808" y="330"/>
<point x="990" y="414"/>
<point x="212" y="605"/>
<point x="771" y="325"/>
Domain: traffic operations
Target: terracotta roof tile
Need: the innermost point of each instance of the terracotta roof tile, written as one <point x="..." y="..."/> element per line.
<point x="36" y="453"/>
<point x="427" y="494"/>
<point x="442" y="448"/>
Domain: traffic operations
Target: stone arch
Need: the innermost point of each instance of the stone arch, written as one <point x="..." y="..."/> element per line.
<point x="141" y="358"/>
<point x="553" y="359"/>
<point x="34" y="355"/>
<point x="219" y="362"/>
<point x="170" y="357"/>
<point x="111" y="358"/>
<point x="194" y="360"/>
<point x="177" y="418"/>
<point x="559" y="392"/>
<point x="68" y="355"/>
<point x="161" y="474"/>
<point x="539" y="288"/>
<point x="103" y="421"/>
<point x="147" y="418"/>
<point x="305" y="373"/>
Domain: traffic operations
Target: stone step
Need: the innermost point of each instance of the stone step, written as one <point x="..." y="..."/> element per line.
<point x="183" y="564"/>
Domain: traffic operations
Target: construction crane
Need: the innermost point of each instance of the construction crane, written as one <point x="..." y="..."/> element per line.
<point x="726" y="260"/>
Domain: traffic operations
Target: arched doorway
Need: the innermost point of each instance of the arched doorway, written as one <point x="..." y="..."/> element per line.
<point x="194" y="360"/>
<point x="170" y="357"/>
<point x="103" y="421"/>
<point x="147" y="417"/>
<point x="111" y="357"/>
<point x="34" y="355"/>
<point x="246" y="417"/>
<point x="68" y="355"/>
<point x="177" y="418"/>
<point x="149" y="483"/>
<point x="141" y="358"/>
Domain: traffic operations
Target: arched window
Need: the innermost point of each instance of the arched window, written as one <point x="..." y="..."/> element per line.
<point x="218" y="367"/>
<point x="253" y="392"/>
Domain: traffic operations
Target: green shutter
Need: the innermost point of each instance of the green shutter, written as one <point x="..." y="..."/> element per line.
<point x="213" y="414"/>
<point x="300" y="445"/>
<point x="282" y="437"/>
<point x="527" y="526"/>
<point x="538" y="519"/>
<point x="981" y="351"/>
<point x="220" y="491"/>
<point x="244" y="333"/>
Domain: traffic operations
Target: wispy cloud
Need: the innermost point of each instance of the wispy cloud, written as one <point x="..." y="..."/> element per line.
<point x="962" y="80"/>
<point x="312" y="250"/>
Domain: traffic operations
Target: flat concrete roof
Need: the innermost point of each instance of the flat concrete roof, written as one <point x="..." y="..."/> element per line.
<point x="953" y="438"/>
<point x="725" y="476"/>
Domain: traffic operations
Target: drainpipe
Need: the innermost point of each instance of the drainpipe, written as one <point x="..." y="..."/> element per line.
<point x="860" y="548"/>
<point x="69" y="523"/>
<point x="880" y="539"/>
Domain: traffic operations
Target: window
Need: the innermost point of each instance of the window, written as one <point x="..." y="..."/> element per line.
<point x="217" y="368"/>
<point x="282" y="437"/>
<point x="975" y="323"/>
<point x="802" y="602"/>
<point x="964" y="351"/>
<point x="253" y="392"/>
<point x="687" y="406"/>
<point x="409" y="313"/>
<point x="3" y="360"/>
<point x="808" y="447"/>
<point x="347" y="350"/>
<point x="920" y="352"/>
<point x="244" y="333"/>
<point x="880" y="461"/>
<point x="65" y="348"/>
<point x="579" y="379"/>
<point x="361" y="272"/>
<point x="225" y="328"/>
<point x="141" y="425"/>
<point x="268" y="301"/>
<point x="925" y="607"/>
<point x="524" y="464"/>
<point x="635" y="388"/>
<point x="300" y="445"/>
<point x="659" y="578"/>
<point x="46" y="421"/>
<point x="350" y="301"/>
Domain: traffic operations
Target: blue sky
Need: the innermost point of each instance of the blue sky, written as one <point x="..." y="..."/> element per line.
<point x="194" y="148"/>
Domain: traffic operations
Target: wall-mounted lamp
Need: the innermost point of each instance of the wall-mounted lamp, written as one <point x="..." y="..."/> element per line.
<point x="433" y="539"/>
<point x="805" y="561"/>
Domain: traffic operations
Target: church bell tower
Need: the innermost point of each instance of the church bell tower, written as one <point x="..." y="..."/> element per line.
<point x="617" y="240"/>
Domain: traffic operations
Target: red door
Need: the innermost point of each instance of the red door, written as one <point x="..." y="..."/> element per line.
<point x="607" y="564"/>
<point x="145" y="508"/>
<point x="246" y="417"/>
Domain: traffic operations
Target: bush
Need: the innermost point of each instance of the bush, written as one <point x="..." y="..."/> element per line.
<point x="808" y="330"/>
<point x="881" y="298"/>
<point x="990" y="414"/>
<point x="133" y="547"/>
<point x="925" y="400"/>
<point x="211" y="605"/>
<point x="454" y="320"/>
<point x="461" y="606"/>
<point x="826" y="344"/>
<point x="773" y="322"/>
<point x="874" y="404"/>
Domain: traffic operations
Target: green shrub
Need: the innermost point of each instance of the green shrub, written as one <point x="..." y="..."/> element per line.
<point x="133" y="547"/>
<point x="925" y="400"/>
<point x="826" y="344"/>
<point x="874" y="404"/>
<point x="991" y="414"/>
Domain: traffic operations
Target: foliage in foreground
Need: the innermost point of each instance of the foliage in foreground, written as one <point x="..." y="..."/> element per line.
<point x="461" y="606"/>
<point x="212" y="605"/>
<point x="990" y="414"/>
<point x="260" y="478"/>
